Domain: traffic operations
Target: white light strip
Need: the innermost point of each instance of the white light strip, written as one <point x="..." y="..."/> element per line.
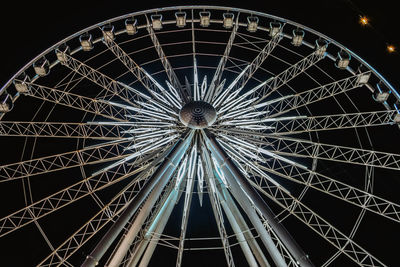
<point x="196" y="89"/>
<point x="174" y="91"/>
<point x="203" y="87"/>
<point x="219" y="172"/>
<point x="230" y="87"/>
<point x="200" y="174"/>
<point x="181" y="172"/>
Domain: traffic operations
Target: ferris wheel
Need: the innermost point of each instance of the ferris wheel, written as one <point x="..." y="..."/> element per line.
<point x="199" y="135"/>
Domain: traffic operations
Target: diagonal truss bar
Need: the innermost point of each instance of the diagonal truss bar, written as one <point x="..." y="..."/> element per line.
<point x="165" y="62"/>
<point x="285" y="76"/>
<point x="99" y="153"/>
<point x="327" y="231"/>
<point x="335" y="188"/>
<point x="304" y="148"/>
<point x="114" y="87"/>
<point x="76" y="101"/>
<point x="216" y="80"/>
<point x="333" y="122"/>
<point x="62" y="130"/>
<point x="160" y="177"/>
<point x="317" y="94"/>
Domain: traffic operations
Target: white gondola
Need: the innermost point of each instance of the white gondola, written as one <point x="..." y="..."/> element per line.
<point x="156" y="21"/>
<point x="343" y="60"/>
<point x="86" y="41"/>
<point x="180" y="19"/>
<point x="6" y="103"/>
<point x="131" y="26"/>
<point x="320" y="47"/>
<point x="21" y="83"/>
<point x="381" y="93"/>
<point x="61" y="52"/>
<point x="42" y="67"/>
<point x="205" y="18"/>
<point x="274" y="28"/>
<point x="298" y="36"/>
<point x="108" y="33"/>
<point x="365" y="75"/>
<point x="228" y="20"/>
<point x="396" y="117"/>
<point x="252" y="23"/>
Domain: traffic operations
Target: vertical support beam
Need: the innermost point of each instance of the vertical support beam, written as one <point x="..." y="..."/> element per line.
<point x="235" y="217"/>
<point x="243" y="191"/>
<point x="188" y="201"/>
<point x="216" y="205"/>
<point x="161" y="175"/>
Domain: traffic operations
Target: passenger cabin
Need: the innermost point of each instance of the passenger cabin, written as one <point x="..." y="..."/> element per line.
<point x="205" y="18"/>
<point x="180" y="19"/>
<point x="381" y="93"/>
<point x="274" y="28"/>
<point x="41" y="67"/>
<point x="343" y="60"/>
<point x="21" y="83"/>
<point x="6" y="102"/>
<point x="320" y="47"/>
<point x="61" y="52"/>
<point x="108" y="33"/>
<point x="396" y="117"/>
<point x="86" y="41"/>
<point x="131" y="26"/>
<point x="228" y="20"/>
<point x="252" y="24"/>
<point x="364" y="73"/>
<point x="156" y="21"/>
<point x="298" y="36"/>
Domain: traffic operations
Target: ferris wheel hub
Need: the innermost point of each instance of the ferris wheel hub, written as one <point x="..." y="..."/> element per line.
<point x="197" y="114"/>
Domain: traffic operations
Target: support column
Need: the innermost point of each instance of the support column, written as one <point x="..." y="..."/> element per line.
<point x="243" y="191"/>
<point x="161" y="176"/>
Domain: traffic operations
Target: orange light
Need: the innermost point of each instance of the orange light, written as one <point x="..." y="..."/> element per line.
<point x="364" y="20"/>
<point x="391" y="48"/>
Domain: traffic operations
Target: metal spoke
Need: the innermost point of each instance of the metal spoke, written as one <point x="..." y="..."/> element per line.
<point x="90" y="155"/>
<point x="274" y="83"/>
<point x="62" y="130"/>
<point x="304" y="148"/>
<point x="75" y="101"/>
<point x="327" y="231"/>
<point x="332" y="122"/>
<point x="334" y="188"/>
<point x="114" y="87"/>
<point x="292" y="102"/>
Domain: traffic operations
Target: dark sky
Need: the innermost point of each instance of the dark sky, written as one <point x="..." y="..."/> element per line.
<point x="29" y="28"/>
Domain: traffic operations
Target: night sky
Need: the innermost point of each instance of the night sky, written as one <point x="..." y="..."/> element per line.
<point x="29" y="28"/>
